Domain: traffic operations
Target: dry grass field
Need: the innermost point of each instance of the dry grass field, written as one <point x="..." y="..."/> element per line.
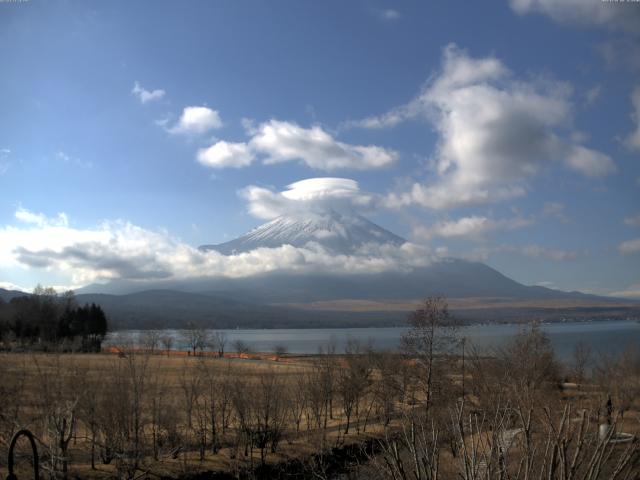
<point x="140" y="415"/>
<point x="459" y="304"/>
<point x="175" y="403"/>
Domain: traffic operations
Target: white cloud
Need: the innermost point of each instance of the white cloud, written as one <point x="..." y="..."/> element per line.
<point x="278" y="141"/>
<point x="313" y="194"/>
<point x="40" y="219"/>
<point x="390" y="14"/>
<point x="282" y="141"/>
<point x="146" y="95"/>
<point x="473" y="227"/>
<point x="629" y="247"/>
<point x="613" y="15"/>
<point x="632" y="221"/>
<point x="196" y="121"/>
<point x="495" y="133"/>
<point x="121" y="250"/>
<point x="225" y="154"/>
<point x="633" y="140"/>
<point x="590" y="162"/>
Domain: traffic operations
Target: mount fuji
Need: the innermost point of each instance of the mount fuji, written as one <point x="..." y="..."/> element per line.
<point x="342" y="233"/>
<point x="338" y="233"/>
<point x="476" y="292"/>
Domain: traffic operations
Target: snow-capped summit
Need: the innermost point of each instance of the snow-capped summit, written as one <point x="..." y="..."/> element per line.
<point x="337" y="232"/>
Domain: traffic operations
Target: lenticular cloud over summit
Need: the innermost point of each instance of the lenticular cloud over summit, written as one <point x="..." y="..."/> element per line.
<point x="320" y="194"/>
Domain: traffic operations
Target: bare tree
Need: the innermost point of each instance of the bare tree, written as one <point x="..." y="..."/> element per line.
<point x="432" y="332"/>
<point x="150" y="340"/>
<point x="219" y="342"/>
<point x="190" y="385"/>
<point x="241" y="402"/>
<point x="620" y="378"/>
<point x="241" y="347"/>
<point x="387" y="387"/>
<point x="581" y="361"/>
<point x="529" y="363"/>
<point x="60" y="391"/>
<point x="317" y="396"/>
<point x="225" y="395"/>
<point x="280" y="350"/>
<point x="353" y="381"/>
<point x="167" y="343"/>
<point x="269" y="413"/>
<point x="157" y="405"/>
<point x="197" y="339"/>
<point x="88" y="410"/>
<point x="524" y="371"/>
<point x="136" y="378"/>
<point x="213" y="396"/>
<point x="297" y="395"/>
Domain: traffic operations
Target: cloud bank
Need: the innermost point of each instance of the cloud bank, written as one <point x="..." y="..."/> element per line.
<point x="120" y="250"/>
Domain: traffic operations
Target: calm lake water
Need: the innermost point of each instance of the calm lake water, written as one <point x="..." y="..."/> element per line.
<point x="606" y="337"/>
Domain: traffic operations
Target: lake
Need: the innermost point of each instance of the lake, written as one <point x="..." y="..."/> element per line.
<point x="606" y="337"/>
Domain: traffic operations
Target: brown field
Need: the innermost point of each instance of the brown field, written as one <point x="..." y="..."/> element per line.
<point x="175" y="383"/>
<point x="142" y="414"/>
<point x="461" y="304"/>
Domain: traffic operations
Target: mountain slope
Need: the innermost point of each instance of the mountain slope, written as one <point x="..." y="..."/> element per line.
<point x="283" y="298"/>
<point x="176" y="309"/>
<point x="7" y="295"/>
<point x="452" y="278"/>
<point x="449" y="277"/>
<point x="339" y="233"/>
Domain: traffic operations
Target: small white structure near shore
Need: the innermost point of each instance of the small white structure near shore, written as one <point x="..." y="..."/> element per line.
<point x="617" y="437"/>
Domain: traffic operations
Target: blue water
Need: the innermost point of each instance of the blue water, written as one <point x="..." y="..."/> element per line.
<point x="603" y="337"/>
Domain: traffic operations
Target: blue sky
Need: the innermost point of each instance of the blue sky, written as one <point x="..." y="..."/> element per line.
<point x="502" y="131"/>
